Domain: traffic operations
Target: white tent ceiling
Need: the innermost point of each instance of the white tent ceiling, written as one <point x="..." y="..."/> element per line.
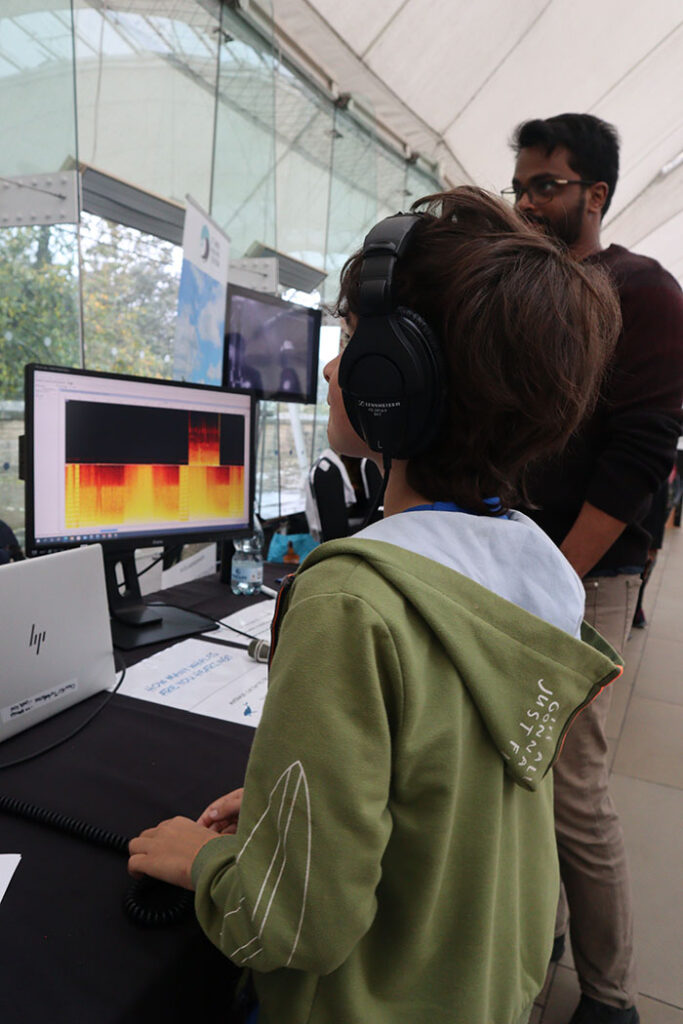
<point x="453" y="77"/>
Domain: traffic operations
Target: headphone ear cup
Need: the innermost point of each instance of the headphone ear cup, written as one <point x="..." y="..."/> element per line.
<point x="428" y="404"/>
<point x="425" y="340"/>
<point x="392" y="378"/>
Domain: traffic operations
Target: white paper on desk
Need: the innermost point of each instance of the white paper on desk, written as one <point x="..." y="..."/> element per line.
<point x="205" y="678"/>
<point x="254" y="620"/>
<point x="8" y="865"/>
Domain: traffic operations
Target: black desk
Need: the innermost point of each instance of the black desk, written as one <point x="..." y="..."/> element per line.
<point x="68" y="955"/>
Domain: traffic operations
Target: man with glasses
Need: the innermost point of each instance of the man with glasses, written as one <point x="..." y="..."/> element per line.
<point x="569" y="223"/>
<point x="591" y="500"/>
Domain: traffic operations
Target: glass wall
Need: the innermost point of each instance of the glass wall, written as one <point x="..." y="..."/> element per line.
<point x="37" y="112"/>
<point x="39" y="286"/>
<point x="146" y="78"/>
<point x="243" y="168"/>
<point x="174" y="98"/>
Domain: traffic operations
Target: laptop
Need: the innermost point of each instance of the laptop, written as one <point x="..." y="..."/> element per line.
<point x="55" y="637"/>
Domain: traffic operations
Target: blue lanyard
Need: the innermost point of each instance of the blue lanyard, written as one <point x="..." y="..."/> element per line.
<point x="450" y="506"/>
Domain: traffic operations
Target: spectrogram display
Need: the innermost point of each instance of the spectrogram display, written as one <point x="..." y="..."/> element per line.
<point x="133" y="466"/>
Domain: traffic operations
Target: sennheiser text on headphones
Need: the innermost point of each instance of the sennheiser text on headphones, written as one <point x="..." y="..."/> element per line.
<point x="392" y="373"/>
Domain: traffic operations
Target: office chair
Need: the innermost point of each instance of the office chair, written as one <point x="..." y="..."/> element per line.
<point x="328" y="491"/>
<point x="10" y="550"/>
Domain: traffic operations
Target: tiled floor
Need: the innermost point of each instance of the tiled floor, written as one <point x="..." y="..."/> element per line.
<point x="645" y="730"/>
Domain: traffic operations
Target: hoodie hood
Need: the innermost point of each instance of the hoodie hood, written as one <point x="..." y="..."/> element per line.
<point x="509" y="555"/>
<point x="527" y="678"/>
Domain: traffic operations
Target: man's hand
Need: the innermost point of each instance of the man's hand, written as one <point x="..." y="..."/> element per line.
<point x="168" y="851"/>
<point x="593" y="533"/>
<point x="221" y="816"/>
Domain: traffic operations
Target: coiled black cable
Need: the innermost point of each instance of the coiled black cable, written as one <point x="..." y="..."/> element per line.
<point x="153" y="904"/>
<point x="63" y="823"/>
<point x="146" y="901"/>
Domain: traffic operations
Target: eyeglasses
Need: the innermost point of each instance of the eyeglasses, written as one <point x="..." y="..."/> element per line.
<point x="541" y="192"/>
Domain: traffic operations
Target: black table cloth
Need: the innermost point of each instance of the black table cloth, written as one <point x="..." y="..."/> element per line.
<point x="68" y="955"/>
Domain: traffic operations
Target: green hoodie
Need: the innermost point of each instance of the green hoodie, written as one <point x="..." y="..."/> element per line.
<point x="395" y="858"/>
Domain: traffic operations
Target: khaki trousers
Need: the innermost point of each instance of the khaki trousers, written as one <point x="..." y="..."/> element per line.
<point x="596" y="897"/>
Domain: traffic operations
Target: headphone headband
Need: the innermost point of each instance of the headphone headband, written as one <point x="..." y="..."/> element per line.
<point x="383" y="247"/>
<point x="391" y="373"/>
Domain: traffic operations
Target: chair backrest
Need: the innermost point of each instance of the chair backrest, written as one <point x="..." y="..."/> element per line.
<point x="9" y="546"/>
<point x="328" y="491"/>
<point x="372" y="480"/>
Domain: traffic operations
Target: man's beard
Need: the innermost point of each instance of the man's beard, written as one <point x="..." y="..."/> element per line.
<point x="568" y="227"/>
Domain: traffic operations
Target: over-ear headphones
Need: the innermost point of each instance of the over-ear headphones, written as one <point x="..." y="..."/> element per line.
<point x="392" y="374"/>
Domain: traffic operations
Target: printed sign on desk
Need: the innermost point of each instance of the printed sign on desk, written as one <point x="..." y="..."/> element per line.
<point x="206" y="678"/>
<point x="200" y="324"/>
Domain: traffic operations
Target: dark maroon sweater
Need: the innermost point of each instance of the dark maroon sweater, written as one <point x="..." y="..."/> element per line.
<point x="627" y="448"/>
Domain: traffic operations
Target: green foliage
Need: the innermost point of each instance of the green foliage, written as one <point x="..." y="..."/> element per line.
<point x="38" y="302"/>
<point x="130" y="287"/>
<point x="130" y="294"/>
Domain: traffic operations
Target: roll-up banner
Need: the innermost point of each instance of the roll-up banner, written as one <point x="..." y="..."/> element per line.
<point x="200" y="324"/>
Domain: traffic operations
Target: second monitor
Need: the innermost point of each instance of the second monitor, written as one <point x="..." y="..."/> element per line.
<point x="271" y="346"/>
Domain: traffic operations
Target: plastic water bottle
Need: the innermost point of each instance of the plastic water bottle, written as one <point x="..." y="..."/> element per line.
<point x="246" y="574"/>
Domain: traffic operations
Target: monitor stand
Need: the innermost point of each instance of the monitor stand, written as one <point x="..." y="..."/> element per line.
<point x="137" y="624"/>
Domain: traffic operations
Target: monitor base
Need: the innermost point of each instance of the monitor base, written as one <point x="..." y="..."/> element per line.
<point x="170" y="624"/>
<point x="134" y="623"/>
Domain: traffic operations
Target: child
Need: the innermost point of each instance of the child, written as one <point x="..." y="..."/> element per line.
<point x="393" y="855"/>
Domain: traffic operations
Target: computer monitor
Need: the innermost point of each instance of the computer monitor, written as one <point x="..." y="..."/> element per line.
<point x="131" y="462"/>
<point x="271" y="346"/>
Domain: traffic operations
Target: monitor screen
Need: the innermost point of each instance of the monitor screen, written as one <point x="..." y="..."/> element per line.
<point x="132" y="461"/>
<point x="271" y="346"/>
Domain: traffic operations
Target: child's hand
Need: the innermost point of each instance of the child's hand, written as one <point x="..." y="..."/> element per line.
<point x="168" y="851"/>
<point x="221" y="816"/>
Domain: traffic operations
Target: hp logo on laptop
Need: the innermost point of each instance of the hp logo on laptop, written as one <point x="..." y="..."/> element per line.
<point x="36" y="638"/>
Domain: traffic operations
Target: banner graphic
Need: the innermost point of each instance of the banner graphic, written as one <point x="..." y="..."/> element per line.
<point x="200" y="325"/>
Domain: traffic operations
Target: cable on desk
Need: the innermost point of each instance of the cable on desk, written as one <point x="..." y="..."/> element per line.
<point x="63" y="823"/>
<point x="146" y="901"/>
<point x="233" y="629"/>
<point x="209" y="618"/>
<point x="74" y="732"/>
<point x="153" y="904"/>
